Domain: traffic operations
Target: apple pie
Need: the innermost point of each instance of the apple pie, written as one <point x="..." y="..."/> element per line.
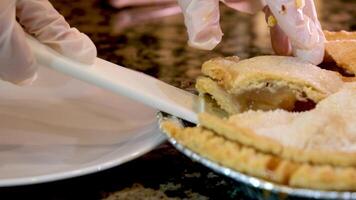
<point x="284" y="120"/>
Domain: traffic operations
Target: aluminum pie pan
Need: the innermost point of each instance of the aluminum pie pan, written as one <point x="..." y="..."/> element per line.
<point x="250" y="181"/>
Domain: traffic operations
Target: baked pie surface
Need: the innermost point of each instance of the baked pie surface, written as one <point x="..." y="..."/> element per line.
<point x="341" y="47"/>
<point x="340" y="35"/>
<point x="324" y="135"/>
<point x="265" y="82"/>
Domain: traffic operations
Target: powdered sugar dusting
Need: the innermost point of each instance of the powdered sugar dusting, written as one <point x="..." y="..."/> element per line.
<point x="330" y="126"/>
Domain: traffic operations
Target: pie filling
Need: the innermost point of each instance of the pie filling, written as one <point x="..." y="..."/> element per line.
<point x="272" y="97"/>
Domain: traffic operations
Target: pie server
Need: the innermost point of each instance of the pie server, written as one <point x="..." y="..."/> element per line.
<point x="122" y="81"/>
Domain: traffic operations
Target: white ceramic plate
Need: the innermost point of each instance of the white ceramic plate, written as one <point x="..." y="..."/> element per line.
<point x="60" y="127"/>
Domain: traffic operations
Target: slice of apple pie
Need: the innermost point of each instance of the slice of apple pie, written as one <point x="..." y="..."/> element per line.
<point x="265" y="83"/>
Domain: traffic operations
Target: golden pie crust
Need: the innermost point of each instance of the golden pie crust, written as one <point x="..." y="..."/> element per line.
<point x="265" y="144"/>
<point x="259" y="164"/>
<point x="341" y="47"/>
<point x="340" y="35"/>
<point x="268" y="82"/>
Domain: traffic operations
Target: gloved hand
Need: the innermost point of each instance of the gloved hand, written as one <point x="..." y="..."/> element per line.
<point x="294" y="25"/>
<point x="40" y="19"/>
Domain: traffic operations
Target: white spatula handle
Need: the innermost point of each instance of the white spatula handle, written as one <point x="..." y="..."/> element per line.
<point x="122" y="81"/>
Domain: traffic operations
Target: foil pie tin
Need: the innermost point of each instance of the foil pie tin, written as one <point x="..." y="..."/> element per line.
<point x="253" y="187"/>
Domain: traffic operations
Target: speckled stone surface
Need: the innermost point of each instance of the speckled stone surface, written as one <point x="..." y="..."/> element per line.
<point x="158" y="47"/>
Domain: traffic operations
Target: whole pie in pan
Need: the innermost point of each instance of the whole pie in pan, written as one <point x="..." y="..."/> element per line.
<point x="288" y="121"/>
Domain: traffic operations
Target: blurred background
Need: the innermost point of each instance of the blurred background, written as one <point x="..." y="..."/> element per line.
<point x="149" y="35"/>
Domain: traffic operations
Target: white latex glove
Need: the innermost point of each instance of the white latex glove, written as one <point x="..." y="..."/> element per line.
<point x="40" y="19"/>
<point x="296" y="29"/>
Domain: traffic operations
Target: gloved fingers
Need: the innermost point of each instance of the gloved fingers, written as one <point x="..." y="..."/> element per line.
<point x="17" y="62"/>
<point x="300" y="28"/>
<point x="316" y="53"/>
<point x="310" y="10"/>
<point x="297" y="18"/>
<point x="247" y="6"/>
<point x="202" y="21"/>
<point x="279" y="40"/>
<point x="40" y="19"/>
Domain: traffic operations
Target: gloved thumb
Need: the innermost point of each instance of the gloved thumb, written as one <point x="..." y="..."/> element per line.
<point x="279" y="40"/>
<point x="298" y="20"/>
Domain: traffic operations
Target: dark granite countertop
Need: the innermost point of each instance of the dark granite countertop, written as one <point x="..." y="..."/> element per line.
<point x="158" y="47"/>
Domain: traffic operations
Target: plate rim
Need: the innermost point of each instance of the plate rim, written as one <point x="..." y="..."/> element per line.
<point x="146" y="141"/>
<point x="152" y="142"/>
